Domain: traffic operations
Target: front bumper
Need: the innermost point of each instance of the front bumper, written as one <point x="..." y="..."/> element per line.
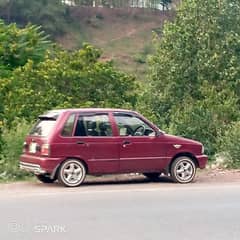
<point x="202" y="160"/>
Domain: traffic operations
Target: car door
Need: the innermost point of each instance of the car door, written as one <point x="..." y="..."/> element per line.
<point x="93" y="142"/>
<point x="140" y="147"/>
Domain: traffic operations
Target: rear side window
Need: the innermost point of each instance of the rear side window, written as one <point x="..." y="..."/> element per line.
<point x="68" y="126"/>
<point x="95" y="125"/>
<point x="43" y="127"/>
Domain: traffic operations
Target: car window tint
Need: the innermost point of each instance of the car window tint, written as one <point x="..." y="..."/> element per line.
<point x="132" y="126"/>
<point x="68" y="126"/>
<point x="80" y="128"/>
<point x="94" y="125"/>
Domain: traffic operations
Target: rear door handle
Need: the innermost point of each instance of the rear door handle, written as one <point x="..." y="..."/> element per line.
<point x="80" y="143"/>
<point x="125" y="143"/>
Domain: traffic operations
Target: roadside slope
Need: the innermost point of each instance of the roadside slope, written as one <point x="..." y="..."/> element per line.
<point x="124" y="35"/>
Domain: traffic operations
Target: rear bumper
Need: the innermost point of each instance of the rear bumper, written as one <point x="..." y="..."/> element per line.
<point x="34" y="168"/>
<point x="202" y="160"/>
<point x="39" y="165"/>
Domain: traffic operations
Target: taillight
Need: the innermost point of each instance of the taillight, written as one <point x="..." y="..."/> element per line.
<point x="45" y="149"/>
<point x="25" y="146"/>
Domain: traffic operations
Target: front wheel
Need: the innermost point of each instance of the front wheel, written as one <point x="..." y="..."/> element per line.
<point x="45" y="179"/>
<point x="71" y="173"/>
<point x="183" y="170"/>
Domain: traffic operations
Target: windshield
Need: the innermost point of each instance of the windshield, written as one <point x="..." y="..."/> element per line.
<point x="43" y="127"/>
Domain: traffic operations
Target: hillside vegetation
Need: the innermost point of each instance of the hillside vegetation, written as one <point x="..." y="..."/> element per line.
<point x="124" y="36"/>
<point x="123" y="33"/>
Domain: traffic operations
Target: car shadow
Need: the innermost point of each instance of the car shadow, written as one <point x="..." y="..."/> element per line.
<point x="126" y="180"/>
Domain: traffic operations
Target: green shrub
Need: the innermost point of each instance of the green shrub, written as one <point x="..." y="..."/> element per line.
<point x="94" y="22"/>
<point x="140" y="58"/>
<point x="99" y="16"/>
<point x="67" y="80"/>
<point x="12" y="149"/>
<point x="229" y="147"/>
<point x="205" y="119"/>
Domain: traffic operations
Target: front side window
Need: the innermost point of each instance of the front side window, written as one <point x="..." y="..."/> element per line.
<point x="129" y="125"/>
<point x="93" y="125"/>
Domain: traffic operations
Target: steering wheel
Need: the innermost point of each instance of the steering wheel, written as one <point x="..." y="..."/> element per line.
<point x="139" y="131"/>
<point x="129" y="130"/>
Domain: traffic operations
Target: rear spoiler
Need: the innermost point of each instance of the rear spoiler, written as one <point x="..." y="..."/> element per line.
<point x="50" y="115"/>
<point x="43" y="117"/>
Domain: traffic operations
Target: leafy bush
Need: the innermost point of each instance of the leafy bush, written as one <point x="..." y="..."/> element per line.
<point x="140" y="58"/>
<point x="143" y="55"/>
<point x="100" y="16"/>
<point x="1" y="124"/>
<point x="67" y="80"/>
<point x="51" y="15"/>
<point x="20" y="45"/>
<point x="229" y="147"/>
<point x="207" y="118"/>
<point x="194" y="71"/>
<point x="94" y="22"/>
<point x="12" y="149"/>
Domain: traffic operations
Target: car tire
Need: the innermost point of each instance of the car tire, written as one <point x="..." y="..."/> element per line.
<point x="183" y="170"/>
<point x="152" y="176"/>
<point x="45" y="179"/>
<point x="71" y="173"/>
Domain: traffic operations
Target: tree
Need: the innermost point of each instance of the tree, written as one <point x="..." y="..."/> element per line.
<point x="205" y="119"/>
<point x="20" y="45"/>
<point x="51" y="15"/>
<point x="198" y="51"/>
<point x="36" y="76"/>
<point x="17" y="47"/>
<point x="1" y="124"/>
<point x="229" y="147"/>
<point x="66" y="79"/>
<point x="165" y="3"/>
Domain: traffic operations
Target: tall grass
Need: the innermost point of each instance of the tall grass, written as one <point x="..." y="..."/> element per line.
<point x="229" y="147"/>
<point x="13" y="142"/>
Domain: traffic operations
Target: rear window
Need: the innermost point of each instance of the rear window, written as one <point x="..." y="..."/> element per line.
<point x="43" y="127"/>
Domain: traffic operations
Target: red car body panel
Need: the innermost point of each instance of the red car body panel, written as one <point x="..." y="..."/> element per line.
<point x="111" y="154"/>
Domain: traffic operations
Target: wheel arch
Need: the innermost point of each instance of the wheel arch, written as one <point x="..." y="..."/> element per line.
<point x="183" y="154"/>
<point x="55" y="172"/>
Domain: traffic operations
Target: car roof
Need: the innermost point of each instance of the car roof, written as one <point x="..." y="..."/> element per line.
<point x="59" y="111"/>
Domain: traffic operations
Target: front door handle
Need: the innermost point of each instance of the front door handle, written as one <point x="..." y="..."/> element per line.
<point x="80" y="143"/>
<point x="125" y="143"/>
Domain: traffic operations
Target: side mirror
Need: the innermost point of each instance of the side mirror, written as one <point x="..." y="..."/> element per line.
<point x="159" y="133"/>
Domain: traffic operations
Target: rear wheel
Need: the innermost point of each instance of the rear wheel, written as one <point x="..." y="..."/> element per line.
<point x="45" y="179"/>
<point x="183" y="170"/>
<point x="71" y="173"/>
<point x="152" y="176"/>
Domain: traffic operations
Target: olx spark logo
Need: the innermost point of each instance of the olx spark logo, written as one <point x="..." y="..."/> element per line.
<point x="44" y="228"/>
<point x="39" y="228"/>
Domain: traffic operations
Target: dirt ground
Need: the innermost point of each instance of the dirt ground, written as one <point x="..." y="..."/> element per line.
<point x="202" y="176"/>
<point x="218" y="175"/>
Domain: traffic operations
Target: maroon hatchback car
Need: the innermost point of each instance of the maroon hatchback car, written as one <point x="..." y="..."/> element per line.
<point x="67" y="144"/>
